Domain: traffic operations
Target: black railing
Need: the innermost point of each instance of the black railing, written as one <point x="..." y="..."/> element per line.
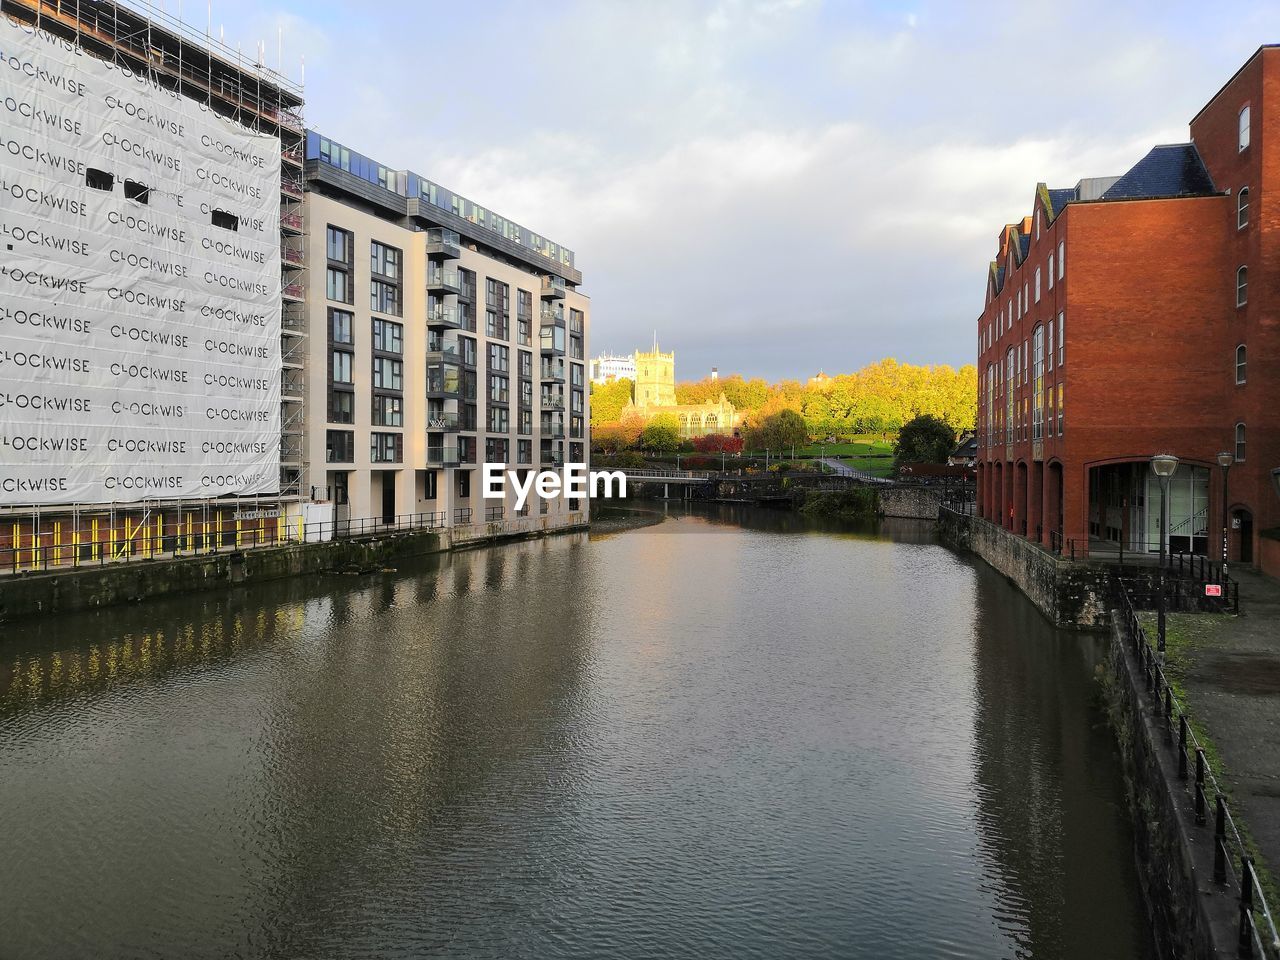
<point x="1232" y="862"/>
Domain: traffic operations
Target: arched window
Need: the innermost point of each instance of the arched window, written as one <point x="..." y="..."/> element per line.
<point x="1242" y="208"/>
<point x="1239" y="443"/>
<point x="1244" y="127"/>
<point x="1242" y="286"/>
<point x="711" y="423"/>
<point x="1241" y="357"/>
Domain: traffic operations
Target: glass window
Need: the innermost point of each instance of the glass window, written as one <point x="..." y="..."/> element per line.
<point x="1062" y="257"/>
<point x="1242" y="286"/>
<point x="338" y="244"/>
<point x="388" y="411"/>
<point x="1244" y="127"/>
<point x="388" y="374"/>
<point x="338" y="285"/>
<point x="1242" y="208"/>
<point x="499" y="421"/>
<point x="1241" y="357"/>
<point x="1061" y="410"/>
<point x="1037" y="275"/>
<point x="388" y="336"/>
<point x="1062" y="341"/>
<point x="341" y="406"/>
<point x="384" y="297"/>
<point x="339" y="446"/>
<point x="340" y="326"/>
<point x="498" y="358"/>
<point x="498" y="389"/>
<point x="1051" y="271"/>
<point x="341" y="366"/>
<point x="1239" y="443"/>
<point x="385" y="447"/>
<point x="384" y="260"/>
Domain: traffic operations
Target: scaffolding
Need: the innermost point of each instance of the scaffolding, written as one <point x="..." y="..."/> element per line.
<point x="146" y="40"/>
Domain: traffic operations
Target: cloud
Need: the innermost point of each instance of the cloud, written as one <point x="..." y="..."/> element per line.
<point x="774" y="185"/>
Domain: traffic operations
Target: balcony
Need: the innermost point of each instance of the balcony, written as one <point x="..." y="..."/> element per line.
<point x="553" y="288"/>
<point x="442" y="281"/>
<point x="551" y="458"/>
<point x="444" y="422"/>
<point x="553" y="403"/>
<point x="551" y="318"/>
<point x="444" y="353"/>
<point x="551" y="341"/>
<point x="552" y="431"/>
<point x="291" y="221"/>
<point x="444" y="318"/>
<point x="443" y="244"/>
<point x="551" y="374"/>
<point x="444" y="381"/>
<point x="442" y="457"/>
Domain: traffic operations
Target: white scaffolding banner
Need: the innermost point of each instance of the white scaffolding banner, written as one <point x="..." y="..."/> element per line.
<point x="139" y="286"/>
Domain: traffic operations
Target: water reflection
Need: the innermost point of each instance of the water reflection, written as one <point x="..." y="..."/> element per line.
<point x="731" y="735"/>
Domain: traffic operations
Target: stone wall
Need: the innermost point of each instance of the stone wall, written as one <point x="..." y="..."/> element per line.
<point x="1070" y="594"/>
<point x="86" y="588"/>
<point x="1192" y="917"/>
<point x="910" y="502"/>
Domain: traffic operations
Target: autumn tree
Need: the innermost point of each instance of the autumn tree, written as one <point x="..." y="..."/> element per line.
<point x="926" y="439"/>
<point x="608" y="401"/>
<point x="661" y="434"/>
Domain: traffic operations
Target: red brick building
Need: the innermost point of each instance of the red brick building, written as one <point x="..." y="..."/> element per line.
<point x="1137" y="315"/>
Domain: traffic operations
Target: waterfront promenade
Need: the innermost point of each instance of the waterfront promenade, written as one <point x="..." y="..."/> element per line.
<point x="1229" y="668"/>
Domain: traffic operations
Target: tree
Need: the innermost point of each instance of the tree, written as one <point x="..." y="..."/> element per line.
<point x="776" y="431"/>
<point x="661" y="434"/>
<point x="926" y="439"/>
<point x="608" y="401"/>
<point x="717" y="443"/>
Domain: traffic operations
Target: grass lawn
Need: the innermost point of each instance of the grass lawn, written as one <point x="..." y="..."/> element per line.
<point x="861" y="447"/>
<point x="876" y="466"/>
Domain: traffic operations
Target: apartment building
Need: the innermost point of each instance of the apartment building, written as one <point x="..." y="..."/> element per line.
<point x="443" y="336"/>
<point x="156" y="183"/>
<point x="1130" y="316"/>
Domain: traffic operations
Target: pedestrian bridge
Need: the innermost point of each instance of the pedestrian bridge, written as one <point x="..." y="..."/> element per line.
<point x="665" y="475"/>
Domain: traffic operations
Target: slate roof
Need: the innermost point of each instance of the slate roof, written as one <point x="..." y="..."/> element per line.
<point x="1024" y="244"/>
<point x="1060" y="198"/>
<point x="1171" y="170"/>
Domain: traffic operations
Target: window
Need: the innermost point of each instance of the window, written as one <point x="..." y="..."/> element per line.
<point x="1037" y="383"/>
<point x="1240" y="363"/>
<point x="341" y="406"/>
<point x="1061" y="410"/>
<point x="388" y="374"/>
<point x="526" y="363"/>
<point x="341" y="367"/>
<point x="499" y="421"/>
<point x="340" y="326"/>
<point x="1242" y="286"/>
<point x="498" y="389"/>
<point x="385" y="447"/>
<point x="1048" y="349"/>
<point x="1244" y="127"/>
<point x="1062" y="257"/>
<point x="338" y="286"/>
<point x="498" y="358"/>
<point x="1037" y="283"/>
<point x="384" y="261"/>
<point x="1242" y="208"/>
<point x="384" y="297"/>
<point x="388" y="411"/>
<point x="388" y="336"/>
<point x="1239" y="443"/>
<point x="339" y="446"/>
<point x="1051" y="271"/>
<point x="429" y="489"/>
<point x="338" y="245"/>
<point x="1062" y="340"/>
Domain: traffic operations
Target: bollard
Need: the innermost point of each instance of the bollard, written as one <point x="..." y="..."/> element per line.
<point x="1200" y="815"/>
<point x="1246" y="906"/>
<point x="1220" y="840"/>
<point x="1182" y="747"/>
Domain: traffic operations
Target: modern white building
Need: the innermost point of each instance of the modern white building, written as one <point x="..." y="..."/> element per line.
<point x="442" y="337"/>
<point x="607" y="368"/>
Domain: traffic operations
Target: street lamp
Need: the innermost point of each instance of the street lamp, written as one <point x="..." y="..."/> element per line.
<point x="1163" y="465"/>
<point x="1225" y="460"/>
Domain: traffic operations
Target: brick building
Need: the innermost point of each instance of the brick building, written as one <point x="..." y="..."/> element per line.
<point x="1135" y="315"/>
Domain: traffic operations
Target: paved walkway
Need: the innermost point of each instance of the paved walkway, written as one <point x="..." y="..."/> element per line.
<point x="844" y="470"/>
<point x="1231" y="674"/>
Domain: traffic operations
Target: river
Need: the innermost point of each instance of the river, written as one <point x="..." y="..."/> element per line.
<point x="730" y="735"/>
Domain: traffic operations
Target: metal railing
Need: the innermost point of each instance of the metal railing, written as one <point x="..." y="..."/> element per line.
<point x="1257" y="935"/>
<point x="148" y="543"/>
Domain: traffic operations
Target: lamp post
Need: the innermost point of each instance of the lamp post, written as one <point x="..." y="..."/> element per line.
<point x="1163" y="465"/>
<point x="1225" y="460"/>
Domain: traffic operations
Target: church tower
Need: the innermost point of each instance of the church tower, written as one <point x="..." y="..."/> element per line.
<point x="655" y="379"/>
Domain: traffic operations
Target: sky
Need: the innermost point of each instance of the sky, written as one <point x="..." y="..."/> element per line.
<point x="772" y="187"/>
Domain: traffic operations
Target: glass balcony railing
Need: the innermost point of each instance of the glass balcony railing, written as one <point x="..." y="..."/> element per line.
<point x="445" y="422"/>
<point x="553" y="288"/>
<point x="447" y="317"/>
<point x="443" y="243"/>
<point x="443" y="456"/>
<point x="440" y="280"/>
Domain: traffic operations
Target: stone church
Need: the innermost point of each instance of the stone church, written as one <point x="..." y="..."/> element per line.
<point x="654" y="392"/>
